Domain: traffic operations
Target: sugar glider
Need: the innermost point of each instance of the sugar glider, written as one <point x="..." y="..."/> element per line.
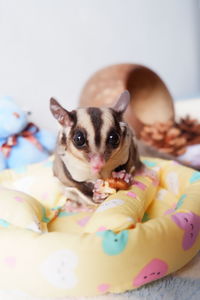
<point x="92" y="143"/>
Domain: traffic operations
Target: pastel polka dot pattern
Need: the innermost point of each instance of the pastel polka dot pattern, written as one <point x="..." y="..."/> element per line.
<point x="161" y="194"/>
<point x="152" y="271"/>
<point x="102" y="228"/>
<point x="82" y="222"/>
<point x="59" y="269"/>
<point x="114" y="244"/>
<point x="4" y="223"/>
<point x="140" y="185"/>
<point x="132" y="238"/>
<point x="170" y="210"/>
<point x="173" y="182"/>
<point x="181" y="201"/>
<point x="103" y="287"/>
<point x="110" y="204"/>
<point x="190" y="223"/>
<point x="65" y="214"/>
<point x="132" y="194"/>
<point x="149" y="163"/>
<point x="19" y="199"/>
<point x="195" y="177"/>
<point x="176" y="206"/>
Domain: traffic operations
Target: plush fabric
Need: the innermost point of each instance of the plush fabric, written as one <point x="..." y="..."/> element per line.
<point x="133" y="238"/>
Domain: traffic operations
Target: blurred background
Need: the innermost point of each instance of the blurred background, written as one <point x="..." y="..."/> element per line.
<point x="51" y="47"/>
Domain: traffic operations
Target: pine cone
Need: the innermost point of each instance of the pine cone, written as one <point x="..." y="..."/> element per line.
<point x="190" y="129"/>
<point x="172" y="137"/>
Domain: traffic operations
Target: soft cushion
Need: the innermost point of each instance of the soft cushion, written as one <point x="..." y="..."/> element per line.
<point x="131" y="239"/>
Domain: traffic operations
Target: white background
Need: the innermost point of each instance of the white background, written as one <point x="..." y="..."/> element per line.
<point x="51" y="47"/>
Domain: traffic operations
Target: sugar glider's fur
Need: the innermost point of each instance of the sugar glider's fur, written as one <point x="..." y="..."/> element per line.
<point x="92" y="143"/>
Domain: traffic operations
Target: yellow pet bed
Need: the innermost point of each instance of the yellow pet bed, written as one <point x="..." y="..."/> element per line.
<point x="133" y="238"/>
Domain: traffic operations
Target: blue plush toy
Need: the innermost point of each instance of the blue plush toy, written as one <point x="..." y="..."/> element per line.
<point x="21" y="143"/>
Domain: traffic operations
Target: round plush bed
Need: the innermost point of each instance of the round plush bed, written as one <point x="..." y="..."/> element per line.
<point x="132" y="238"/>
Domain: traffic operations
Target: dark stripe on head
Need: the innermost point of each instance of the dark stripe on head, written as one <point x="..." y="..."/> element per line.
<point x="63" y="139"/>
<point x="124" y="133"/>
<point x="97" y="122"/>
<point x="73" y="116"/>
<point x="117" y="119"/>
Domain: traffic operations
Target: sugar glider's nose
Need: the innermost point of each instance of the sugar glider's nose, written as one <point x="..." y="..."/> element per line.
<point x="97" y="161"/>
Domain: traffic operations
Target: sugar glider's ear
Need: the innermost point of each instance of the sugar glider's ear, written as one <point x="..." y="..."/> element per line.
<point x="122" y="103"/>
<point x="64" y="117"/>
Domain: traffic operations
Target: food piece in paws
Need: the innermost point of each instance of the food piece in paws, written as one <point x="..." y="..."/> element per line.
<point x="117" y="183"/>
<point x="120" y="180"/>
<point x="102" y="190"/>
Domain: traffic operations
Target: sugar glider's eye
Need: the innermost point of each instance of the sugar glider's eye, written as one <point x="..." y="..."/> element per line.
<point x="79" y="138"/>
<point x="113" y="139"/>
